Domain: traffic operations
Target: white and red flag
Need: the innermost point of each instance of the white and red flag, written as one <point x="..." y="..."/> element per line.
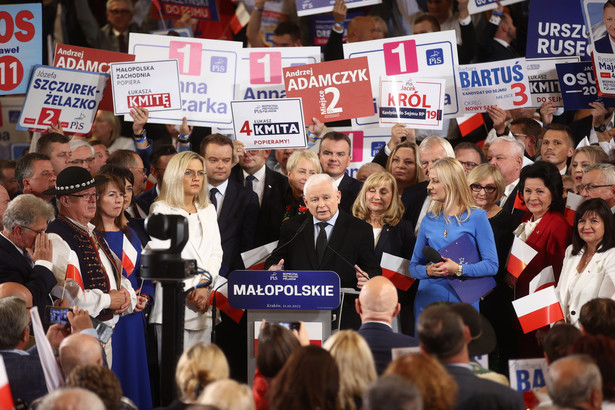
<point x="538" y="309"/>
<point x="469" y="123"/>
<point x="396" y="270"/>
<point x="543" y="280"/>
<point x="521" y="254"/>
<point x="572" y="203"/>
<point x="6" y="398"/>
<point x="129" y="257"/>
<point x="254" y="259"/>
<point x="222" y="303"/>
<point x="72" y="269"/>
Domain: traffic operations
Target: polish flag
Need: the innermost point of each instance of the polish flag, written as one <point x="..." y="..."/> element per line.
<point x="543" y="280"/>
<point x="521" y="254"/>
<point x="129" y="256"/>
<point x="240" y="18"/>
<point x="254" y="259"/>
<point x="396" y="269"/>
<point x="6" y="398"/>
<point x="572" y="203"/>
<point x="469" y="123"/>
<point x="72" y="270"/>
<point x="222" y="303"/>
<point x="538" y="309"/>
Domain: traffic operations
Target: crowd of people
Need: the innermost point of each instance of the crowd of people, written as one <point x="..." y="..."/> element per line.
<point x="73" y="213"/>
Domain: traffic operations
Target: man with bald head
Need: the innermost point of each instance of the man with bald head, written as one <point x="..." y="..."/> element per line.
<point x="377" y="305"/>
<point x="78" y="349"/>
<point x="18" y="290"/>
<point x="71" y="398"/>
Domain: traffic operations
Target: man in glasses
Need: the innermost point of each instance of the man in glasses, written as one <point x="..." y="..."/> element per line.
<point x="26" y="251"/>
<point x="599" y="182"/>
<point x="470" y="155"/>
<point x="87" y="271"/>
<point x="34" y="173"/>
<point x="82" y="155"/>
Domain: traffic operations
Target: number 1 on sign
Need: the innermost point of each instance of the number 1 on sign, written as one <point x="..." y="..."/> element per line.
<point x="400" y="57"/>
<point x="400" y="51"/>
<point x="188" y="56"/>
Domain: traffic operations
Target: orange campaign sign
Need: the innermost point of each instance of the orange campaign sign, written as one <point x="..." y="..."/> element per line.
<point x="90" y="59"/>
<point x="332" y="91"/>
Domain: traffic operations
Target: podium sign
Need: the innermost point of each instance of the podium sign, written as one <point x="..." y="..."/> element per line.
<point x="284" y="290"/>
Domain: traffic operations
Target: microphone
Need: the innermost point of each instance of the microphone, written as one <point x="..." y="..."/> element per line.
<point x="299" y="230"/>
<point x="432" y="255"/>
<point x="346" y="261"/>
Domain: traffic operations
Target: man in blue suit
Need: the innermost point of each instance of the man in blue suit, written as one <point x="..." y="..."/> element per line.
<point x="605" y="44"/>
<point x="377" y="305"/>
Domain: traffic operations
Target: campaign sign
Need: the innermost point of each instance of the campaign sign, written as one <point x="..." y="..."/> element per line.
<point x="430" y="55"/>
<point x="275" y="11"/>
<point x="269" y="124"/>
<point x="502" y="83"/>
<point x="556" y="31"/>
<point x="544" y="84"/>
<point x="414" y="102"/>
<point x="62" y="96"/>
<point x="152" y="84"/>
<point x="207" y="76"/>
<point x="527" y="374"/>
<point x="332" y="91"/>
<point x="200" y="9"/>
<point x="21" y="45"/>
<point x="321" y="26"/>
<point x="182" y="31"/>
<point x="478" y="6"/>
<point x="578" y="86"/>
<point x="298" y="290"/>
<point x="599" y="18"/>
<point x="90" y="59"/>
<point x="308" y="7"/>
<point x="260" y="70"/>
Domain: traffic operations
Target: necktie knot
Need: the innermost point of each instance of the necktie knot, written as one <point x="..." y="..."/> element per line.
<point x="212" y="197"/>
<point x="250" y="181"/>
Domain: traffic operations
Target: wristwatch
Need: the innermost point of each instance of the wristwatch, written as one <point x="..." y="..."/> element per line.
<point x="459" y="270"/>
<point x="600" y="128"/>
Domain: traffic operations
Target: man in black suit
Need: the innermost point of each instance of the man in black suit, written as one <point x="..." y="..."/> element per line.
<point x="604" y="44"/>
<point x="159" y="159"/>
<point x="415" y="198"/>
<point x="495" y="43"/>
<point x="442" y="334"/>
<point x="237" y="209"/>
<point x="377" y="305"/>
<point x="507" y="153"/>
<point x="328" y="239"/>
<point x="26" y="250"/>
<point x="271" y="187"/>
<point x="334" y="155"/>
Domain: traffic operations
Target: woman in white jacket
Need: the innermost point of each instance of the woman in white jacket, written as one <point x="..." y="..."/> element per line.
<point x="588" y="271"/>
<point x="184" y="192"/>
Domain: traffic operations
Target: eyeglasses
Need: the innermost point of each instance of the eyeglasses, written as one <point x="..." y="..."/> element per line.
<point x="87" y="197"/>
<point x="489" y="189"/>
<point x="191" y="174"/>
<point x="469" y="165"/>
<point x="519" y="135"/>
<point x="116" y="11"/>
<point x="37" y="231"/>
<point x="79" y="162"/>
<point x="590" y="187"/>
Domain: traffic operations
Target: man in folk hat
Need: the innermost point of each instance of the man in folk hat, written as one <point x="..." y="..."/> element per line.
<point x="88" y="273"/>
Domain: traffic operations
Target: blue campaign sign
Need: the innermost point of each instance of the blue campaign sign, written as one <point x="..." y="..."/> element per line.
<point x="578" y="86"/>
<point x="556" y="31"/>
<point x="297" y="290"/>
<point x="21" y="45"/>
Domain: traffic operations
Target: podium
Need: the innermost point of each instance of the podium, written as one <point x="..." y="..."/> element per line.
<point x="284" y="296"/>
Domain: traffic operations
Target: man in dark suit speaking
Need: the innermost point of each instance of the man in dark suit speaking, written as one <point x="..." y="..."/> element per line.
<point x="327" y="239"/>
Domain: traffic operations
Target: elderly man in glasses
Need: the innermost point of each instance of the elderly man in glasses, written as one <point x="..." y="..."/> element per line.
<point x="88" y="273"/>
<point x="599" y="182"/>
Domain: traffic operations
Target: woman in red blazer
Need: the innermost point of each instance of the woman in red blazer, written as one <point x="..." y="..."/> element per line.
<point x="545" y="229"/>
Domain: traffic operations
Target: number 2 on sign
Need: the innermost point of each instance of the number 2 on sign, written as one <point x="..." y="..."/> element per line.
<point x="333" y="108"/>
<point x="188" y="56"/>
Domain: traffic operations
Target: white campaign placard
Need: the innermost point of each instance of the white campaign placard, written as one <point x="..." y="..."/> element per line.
<point x="527" y="374"/>
<point x="544" y="84"/>
<point x="478" y="6"/>
<point x="502" y="83"/>
<point x="208" y="72"/>
<point x="152" y="84"/>
<point x="62" y="96"/>
<point x="269" y="124"/>
<point x="430" y="55"/>
<point x="412" y="101"/>
<point x="260" y="70"/>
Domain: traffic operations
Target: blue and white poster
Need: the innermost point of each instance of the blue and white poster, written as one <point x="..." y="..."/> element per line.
<point x="21" y="45"/>
<point x="478" y="6"/>
<point x="308" y="7"/>
<point x="556" y="31"/>
<point x="600" y="16"/>
<point x="578" y="86"/>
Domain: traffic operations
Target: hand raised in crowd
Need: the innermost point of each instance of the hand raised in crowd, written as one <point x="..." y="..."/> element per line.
<point x="499" y="117"/>
<point x="302" y="334"/>
<point x="339" y="11"/>
<point x="56" y="333"/>
<point x="462" y="7"/>
<point x="398" y="132"/>
<point x="316" y="128"/>
<point x="238" y="151"/>
<point x="56" y="128"/>
<point x="362" y="277"/>
<point x="278" y="266"/>
<point x="546" y="113"/>
<point x="140" y="117"/>
<point x="184" y="128"/>
<point x="43" y="249"/>
<point x="600" y="113"/>
<point x="185" y="20"/>
<point x="79" y="319"/>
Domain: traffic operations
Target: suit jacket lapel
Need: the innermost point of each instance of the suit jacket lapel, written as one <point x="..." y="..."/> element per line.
<point x="229" y="201"/>
<point x="534" y="238"/>
<point x="308" y="237"/>
<point x="15" y="254"/>
<point x="336" y="239"/>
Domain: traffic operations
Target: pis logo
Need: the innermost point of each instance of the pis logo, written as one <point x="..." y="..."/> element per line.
<point x="435" y="56"/>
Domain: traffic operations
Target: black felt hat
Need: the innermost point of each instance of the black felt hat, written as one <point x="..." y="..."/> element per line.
<point x="74" y="179"/>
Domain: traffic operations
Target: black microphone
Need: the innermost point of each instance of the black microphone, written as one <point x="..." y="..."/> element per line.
<point x="432" y="255"/>
<point x="348" y="263"/>
<point x="299" y="230"/>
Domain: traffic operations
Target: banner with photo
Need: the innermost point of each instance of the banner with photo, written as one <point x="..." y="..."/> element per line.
<point x="599" y="16"/>
<point x="578" y="86"/>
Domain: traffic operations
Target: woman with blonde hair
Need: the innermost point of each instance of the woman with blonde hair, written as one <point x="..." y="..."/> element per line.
<point x="300" y="166"/>
<point x="227" y="395"/>
<point x="403" y="164"/>
<point x="379" y="204"/>
<point x="452" y="215"/>
<point x="197" y="367"/>
<point x="184" y="192"/>
<point x="582" y="158"/>
<point x="356" y="366"/>
<point x="106" y="129"/>
<point x="436" y="385"/>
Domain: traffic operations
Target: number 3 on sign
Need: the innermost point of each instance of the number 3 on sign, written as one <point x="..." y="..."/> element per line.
<point x="188" y="56"/>
<point x="266" y="68"/>
<point x="400" y="57"/>
<point x="520" y="92"/>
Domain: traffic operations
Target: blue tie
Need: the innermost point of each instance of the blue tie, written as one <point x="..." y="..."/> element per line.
<point x="249" y="183"/>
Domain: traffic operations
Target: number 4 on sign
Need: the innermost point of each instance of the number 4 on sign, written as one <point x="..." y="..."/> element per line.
<point x="245" y="129"/>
